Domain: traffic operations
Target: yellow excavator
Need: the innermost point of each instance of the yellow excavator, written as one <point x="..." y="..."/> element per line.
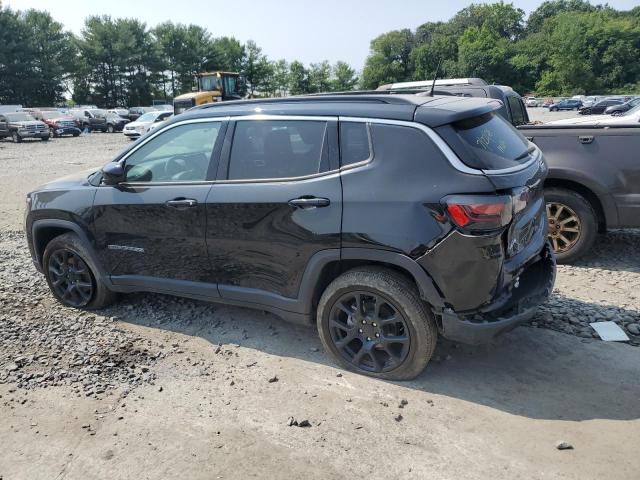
<point x="209" y="87"/>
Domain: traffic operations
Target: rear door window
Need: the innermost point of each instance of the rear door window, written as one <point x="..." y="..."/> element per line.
<point x="487" y="142"/>
<point x="273" y="149"/>
<point x="355" y="143"/>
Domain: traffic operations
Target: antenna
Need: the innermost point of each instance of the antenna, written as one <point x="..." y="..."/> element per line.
<point x="435" y="77"/>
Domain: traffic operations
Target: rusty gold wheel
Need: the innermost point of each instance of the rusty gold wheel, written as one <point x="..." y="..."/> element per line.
<point x="564" y="227"/>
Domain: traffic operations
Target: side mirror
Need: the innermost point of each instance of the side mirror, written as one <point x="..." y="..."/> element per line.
<point x="113" y="173"/>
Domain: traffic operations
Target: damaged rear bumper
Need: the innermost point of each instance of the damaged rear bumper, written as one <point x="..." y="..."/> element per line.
<point x="534" y="286"/>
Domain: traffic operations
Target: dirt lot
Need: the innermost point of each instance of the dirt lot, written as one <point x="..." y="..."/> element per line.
<point x="158" y="387"/>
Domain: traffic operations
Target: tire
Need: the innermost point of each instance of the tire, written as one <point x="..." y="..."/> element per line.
<point x="573" y="203"/>
<point x="69" y="243"/>
<point x="15" y="137"/>
<point x="87" y="127"/>
<point x="76" y="134"/>
<point x="44" y="139"/>
<point x="110" y="128"/>
<point x="553" y="109"/>
<point x="394" y="292"/>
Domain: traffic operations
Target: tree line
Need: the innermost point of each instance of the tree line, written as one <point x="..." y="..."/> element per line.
<point x="122" y="62"/>
<point x="564" y="47"/>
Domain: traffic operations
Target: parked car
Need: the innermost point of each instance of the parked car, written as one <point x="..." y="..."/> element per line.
<point x="91" y="119"/>
<point x="629" y="118"/>
<point x="282" y="218"/>
<point x="60" y="124"/>
<point x="121" y="112"/>
<point x="142" y="125"/>
<point x="623" y="107"/>
<point x="569" y="104"/>
<point x="534" y="102"/>
<point x="591" y="186"/>
<point x="600" y="106"/>
<point x="115" y="123"/>
<point x="21" y="125"/>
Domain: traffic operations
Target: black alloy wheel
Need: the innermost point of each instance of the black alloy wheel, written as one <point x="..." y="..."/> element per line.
<point x="369" y="331"/>
<point x="70" y="278"/>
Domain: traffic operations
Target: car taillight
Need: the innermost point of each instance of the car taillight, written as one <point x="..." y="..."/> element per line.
<point x="478" y="212"/>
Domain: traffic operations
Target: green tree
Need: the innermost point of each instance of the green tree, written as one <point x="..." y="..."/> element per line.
<point x="298" y="78"/>
<point x="280" y="85"/>
<point x="390" y="59"/>
<point x="344" y="77"/>
<point x="319" y="77"/>
<point x="550" y="9"/>
<point x="256" y="68"/>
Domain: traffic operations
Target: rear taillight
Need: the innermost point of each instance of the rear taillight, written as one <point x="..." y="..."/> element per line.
<point x="479" y="212"/>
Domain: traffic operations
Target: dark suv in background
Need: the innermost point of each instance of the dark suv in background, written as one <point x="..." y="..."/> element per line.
<point x="384" y="219"/>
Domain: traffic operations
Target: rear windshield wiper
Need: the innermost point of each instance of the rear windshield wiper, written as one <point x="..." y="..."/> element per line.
<point x="526" y="153"/>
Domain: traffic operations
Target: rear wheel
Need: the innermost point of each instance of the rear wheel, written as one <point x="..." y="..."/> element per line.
<point x="572" y="224"/>
<point x="373" y="321"/>
<point x="72" y="276"/>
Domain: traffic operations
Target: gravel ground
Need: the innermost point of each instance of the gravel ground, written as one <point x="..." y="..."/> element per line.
<point x="181" y="372"/>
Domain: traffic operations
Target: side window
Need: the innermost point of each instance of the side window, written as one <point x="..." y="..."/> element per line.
<point x="355" y="143"/>
<point x="179" y="154"/>
<point x="517" y="114"/>
<point x="278" y="149"/>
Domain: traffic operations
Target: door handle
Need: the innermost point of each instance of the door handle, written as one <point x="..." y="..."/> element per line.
<point x="182" y="203"/>
<point x="585" y="138"/>
<point x="309" y="202"/>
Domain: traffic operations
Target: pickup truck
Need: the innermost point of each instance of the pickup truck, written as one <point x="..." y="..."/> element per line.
<point x="593" y="182"/>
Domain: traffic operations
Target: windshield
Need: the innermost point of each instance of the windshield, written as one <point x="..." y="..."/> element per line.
<point x="148" y="117"/>
<point x="51" y="115"/>
<point x="488" y="142"/>
<point x="98" y="113"/>
<point x="19" y="117"/>
<point x="209" y="83"/>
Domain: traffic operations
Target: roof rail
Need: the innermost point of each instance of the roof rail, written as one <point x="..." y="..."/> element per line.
<point x="445" y="82"/>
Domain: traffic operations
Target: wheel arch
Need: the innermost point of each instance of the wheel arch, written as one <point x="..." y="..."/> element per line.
<point x="43" y="231"/>
<point x="587" y="193"/>
<point x="351" y="258"/>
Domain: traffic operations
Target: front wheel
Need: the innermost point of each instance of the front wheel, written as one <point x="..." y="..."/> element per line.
<point x="15" y="137"/>
<point x="373" y="321"/>
<point x="572" y="224"/>
<point x="110" y="129"/>
<point x="44" y="139"/>
<point x="72" y="275"/>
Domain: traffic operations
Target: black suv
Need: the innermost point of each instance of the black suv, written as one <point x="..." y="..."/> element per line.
<point x="385" y="219"/>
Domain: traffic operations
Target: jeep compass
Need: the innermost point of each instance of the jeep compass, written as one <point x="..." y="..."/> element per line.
<point x="386" y="220"/>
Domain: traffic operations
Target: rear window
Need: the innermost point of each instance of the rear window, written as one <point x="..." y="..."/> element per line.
<point x="487" y="142"/>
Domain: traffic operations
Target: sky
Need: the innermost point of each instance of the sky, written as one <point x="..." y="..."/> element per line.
<point x="294" y="30"/>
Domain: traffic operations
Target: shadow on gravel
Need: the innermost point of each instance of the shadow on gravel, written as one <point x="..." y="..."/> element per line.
<point x="617" y="250"/>
<point x="531" y="372"/>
